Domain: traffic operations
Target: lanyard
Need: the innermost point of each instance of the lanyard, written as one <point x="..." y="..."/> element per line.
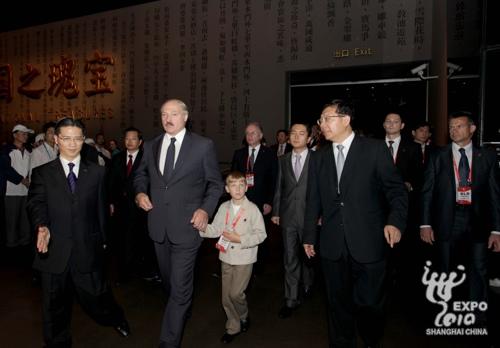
<point x="457" y="174"/>
<point x="236" y="218"/>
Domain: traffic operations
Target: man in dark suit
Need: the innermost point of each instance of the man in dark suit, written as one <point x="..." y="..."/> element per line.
<point x="130" y="237"/>
<point x="360" y="195"/>
<point x="422" y="133"/>
<point x="288" y="212"/>
<point x="66" y="204"/>
<point x="405" y="153"/>
<point x="179" y="184"/>
<point x="282" y="145"/>
<point x="461" y="205"/>
<point x="260" y="165"/>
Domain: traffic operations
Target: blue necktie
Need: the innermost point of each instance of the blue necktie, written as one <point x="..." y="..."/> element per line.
<point x="169" y="160"/>
<point x="71" y="178"/>
<point x="463" y="168"/>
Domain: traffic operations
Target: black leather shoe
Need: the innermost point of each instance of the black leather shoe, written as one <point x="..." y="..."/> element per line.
<point x="245" y="325"/>
<point x="228" y="338"/>
<point x="285" y="312"/>
<point x="123" y="329"/>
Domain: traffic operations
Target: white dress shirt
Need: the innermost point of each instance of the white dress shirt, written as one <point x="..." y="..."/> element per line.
<point x="134" y="155"/>
<point x="179" y="138"/>
<point x="395" y="146"/>
<point x="76" y="161"/>
<point x="347" y="145"/>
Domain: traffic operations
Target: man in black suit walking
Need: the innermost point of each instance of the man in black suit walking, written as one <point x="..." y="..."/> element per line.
<point x="362" y="200"/>
<point x="67" y="206"/>
<point x="288" y="212"/>
<point x="179" y="184"/>
<point x="130" y="238"/>
<point x="260" y="165"/>
<point x="461" y="205"/>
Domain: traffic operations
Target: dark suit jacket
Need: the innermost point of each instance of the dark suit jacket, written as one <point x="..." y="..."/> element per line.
<point x="265" y="170"/>
<point x="288" y="148"/>
<point x="290" y="194"/>
<point x="372" y="195"/>
<point x="409" y="161"/>
<point x="120" y="185"/>
<point x="76" y="221"/>
<point x="195" y="183"/>
<point x="438" y="194"/>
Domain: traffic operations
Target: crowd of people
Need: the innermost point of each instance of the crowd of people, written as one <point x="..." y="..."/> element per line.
<point x="370" y="210"/>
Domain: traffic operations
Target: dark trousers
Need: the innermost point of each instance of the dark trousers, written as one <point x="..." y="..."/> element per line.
<point x="176" y="263"/>
<point x="92" y="293"/>
<point x="297" y="271"/>
<point x="462" y="249"/>
<point x="355" y="293"/>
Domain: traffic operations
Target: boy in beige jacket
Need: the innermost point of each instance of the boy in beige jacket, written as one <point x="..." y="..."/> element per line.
<point x="240" y="226"/>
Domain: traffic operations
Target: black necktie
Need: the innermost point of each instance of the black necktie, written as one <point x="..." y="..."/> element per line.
<point x="252" y="161"/>
<point x="463" y="168"/>
<point x="391" y="149"/>
<point x="169" y="160"/>
<point x="71" y="178"/>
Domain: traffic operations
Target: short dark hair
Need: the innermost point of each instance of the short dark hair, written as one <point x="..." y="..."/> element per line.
<point x="69" y="122"/>
<point x="462" y="113"/>
<point x="234" y="175"/>
<point x="133" y="129"/>
<point x="282" y="131"/>
<point x="343" y="107"/>
<point x="48" y="125"/>
<point x="420" y="124"/>
<point x="308" y="127"/>
<point x="395" y="112"/>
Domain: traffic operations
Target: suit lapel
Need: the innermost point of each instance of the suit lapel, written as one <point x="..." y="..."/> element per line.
<point x="448" y="163"/>
<point x="351" y="159"/>
<point x="288" y="170"/>
<point x="156" y="152"/>
<point x="183" y="154"/>
<point x="60" y="176"/>
<point x="82" y="179"/>
<point x="476" y="166"/>
<point x="331" y="168"/>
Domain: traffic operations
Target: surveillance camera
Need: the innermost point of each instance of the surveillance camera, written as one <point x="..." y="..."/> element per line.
<point x="454" y="67"/>
<point x="419" y="69"/>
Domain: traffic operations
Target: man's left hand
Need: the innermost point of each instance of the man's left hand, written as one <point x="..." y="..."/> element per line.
<point x="392" y="235"/>
<point x="494" y="242"/>
<point x="200" y="219"/>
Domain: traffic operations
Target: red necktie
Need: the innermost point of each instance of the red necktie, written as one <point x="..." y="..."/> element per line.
<point x="129" y="165"/>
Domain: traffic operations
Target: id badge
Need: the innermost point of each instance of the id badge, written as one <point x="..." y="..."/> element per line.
<point x="250" y="179"/>
<point x="222" y="244"/>
<point x="464" y="195"/>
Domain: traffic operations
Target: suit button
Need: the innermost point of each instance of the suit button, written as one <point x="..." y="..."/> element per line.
<point x="166" y="187"/>
<point x="232" y="247"/>
<point x="341" y="204"/>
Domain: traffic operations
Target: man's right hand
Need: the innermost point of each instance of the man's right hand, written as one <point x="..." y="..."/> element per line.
<point x="309" y="249"/>
<point x="142" y="201"/>
<point x="276" y="220"/>
<point x="26" y="182"/>
<point x="427" y="234"/>
<point x="43" y="238"/>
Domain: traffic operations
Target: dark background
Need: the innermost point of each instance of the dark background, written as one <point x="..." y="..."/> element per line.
<point x="22" y="14"/>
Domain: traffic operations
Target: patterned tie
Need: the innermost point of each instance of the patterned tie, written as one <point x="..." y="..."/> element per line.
<point x="391" y="149"/>
<point x="71" y="178"/>
<point x="169" y="160"/>
<point x="251" y="161"/>
<point x="129" y="165"/>
<point x="340" y="164"/>
<point x="463" y="168"/>
<point x="296" y="167"/>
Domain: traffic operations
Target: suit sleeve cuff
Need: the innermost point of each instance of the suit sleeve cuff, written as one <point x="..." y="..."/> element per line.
<point x="425" y="226"/>
<point x="495" y="232"/>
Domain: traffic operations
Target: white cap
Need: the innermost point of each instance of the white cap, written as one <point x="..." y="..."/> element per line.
<point x="22" y="128"/>
<point x="39" y="137"/>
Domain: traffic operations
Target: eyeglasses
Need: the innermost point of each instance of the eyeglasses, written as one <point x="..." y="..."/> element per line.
<point x="66" y="140"/>
<point x="328" y="118"/>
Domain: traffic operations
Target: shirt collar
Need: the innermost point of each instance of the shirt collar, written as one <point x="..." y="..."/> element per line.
<point x="65" y="162"/>
<point x="179" y="137"/>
